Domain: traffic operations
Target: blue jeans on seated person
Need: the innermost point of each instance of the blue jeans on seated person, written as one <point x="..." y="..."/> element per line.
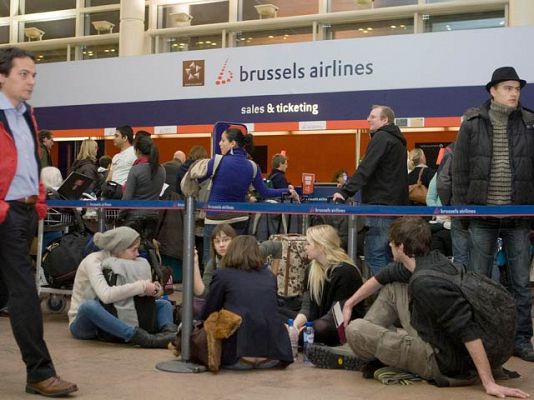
<point x="92" y="317"/>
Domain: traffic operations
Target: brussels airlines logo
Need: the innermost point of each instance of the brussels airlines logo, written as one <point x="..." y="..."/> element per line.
<point x="193" y="73"/>
<point x="225" y="76"/>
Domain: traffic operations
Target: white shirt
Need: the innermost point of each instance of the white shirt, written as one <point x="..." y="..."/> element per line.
<point x="121" y="164"/>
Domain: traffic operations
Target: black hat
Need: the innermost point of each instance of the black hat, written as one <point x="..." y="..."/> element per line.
<point x="505" y="74"/>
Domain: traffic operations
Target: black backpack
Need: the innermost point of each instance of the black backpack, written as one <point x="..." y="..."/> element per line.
<point x="62" y="257"/>
<point x="144" y="305"/>
<point x="493" y="308"/>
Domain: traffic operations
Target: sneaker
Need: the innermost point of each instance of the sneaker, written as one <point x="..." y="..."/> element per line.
<point x="334" y="358"/>
<point x="525" y="352"/>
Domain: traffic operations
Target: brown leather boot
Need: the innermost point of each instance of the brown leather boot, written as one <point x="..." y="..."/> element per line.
<point x="51" y="387"/>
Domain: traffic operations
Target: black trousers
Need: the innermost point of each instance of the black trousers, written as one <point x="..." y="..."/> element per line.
<point x="16" y="234"/>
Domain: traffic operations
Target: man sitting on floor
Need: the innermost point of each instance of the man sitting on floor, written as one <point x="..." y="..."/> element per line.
<point x="443" y="339"/>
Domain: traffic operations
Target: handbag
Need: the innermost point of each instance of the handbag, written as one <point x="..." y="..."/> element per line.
<point x="198" y="342"/>
<point x="417" y="192"/>
<point x="111" y="190"/>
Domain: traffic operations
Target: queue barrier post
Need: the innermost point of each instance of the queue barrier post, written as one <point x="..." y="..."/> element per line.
<point x="185" y="365"/>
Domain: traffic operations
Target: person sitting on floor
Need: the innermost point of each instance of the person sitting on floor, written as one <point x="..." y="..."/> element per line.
<point x="89" y="319"/>
<point x="445" y="334"/>
<point x="246" y="287"/>
<point x="332" y="277"/>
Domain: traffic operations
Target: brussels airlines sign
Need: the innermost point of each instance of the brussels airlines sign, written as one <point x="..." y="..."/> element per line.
<point x="430" y="74"/>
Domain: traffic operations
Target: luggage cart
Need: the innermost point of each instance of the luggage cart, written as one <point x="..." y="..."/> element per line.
<point x="55" y="221"/>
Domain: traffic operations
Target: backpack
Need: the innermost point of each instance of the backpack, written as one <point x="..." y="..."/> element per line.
<point x="201" y="191"/>
<point x="62" y="257"/>
<point x="493" y="308"/>
<point x="144" y="305"/>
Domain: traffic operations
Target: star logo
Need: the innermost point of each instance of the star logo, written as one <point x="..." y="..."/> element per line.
<point x="193" y="73"/>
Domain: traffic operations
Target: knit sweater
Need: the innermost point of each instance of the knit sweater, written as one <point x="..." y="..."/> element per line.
<point x="500" y="182"/>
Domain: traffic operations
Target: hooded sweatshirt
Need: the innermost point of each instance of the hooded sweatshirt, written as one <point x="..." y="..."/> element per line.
<point x="382" y="175"/>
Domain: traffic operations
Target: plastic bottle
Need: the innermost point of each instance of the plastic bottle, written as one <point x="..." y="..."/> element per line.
<point x="293" y="338"/>
<point x="308" y="336"/>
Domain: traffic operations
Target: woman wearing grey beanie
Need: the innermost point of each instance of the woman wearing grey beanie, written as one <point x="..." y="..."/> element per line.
<point x="88" y="319"/>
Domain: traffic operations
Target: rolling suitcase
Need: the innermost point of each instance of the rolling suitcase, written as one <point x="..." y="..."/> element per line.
<point x="290" y="269"/>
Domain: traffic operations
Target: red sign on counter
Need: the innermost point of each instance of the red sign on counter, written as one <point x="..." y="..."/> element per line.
<point x="307" y="183"/>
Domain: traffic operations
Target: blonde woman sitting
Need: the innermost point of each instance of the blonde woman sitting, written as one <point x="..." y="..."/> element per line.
<point x="332" y="277"/>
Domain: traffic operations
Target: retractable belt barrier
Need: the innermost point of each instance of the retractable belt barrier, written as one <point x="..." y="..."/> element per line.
<point x="307" y="208"/>
<point x="185" y="365"/>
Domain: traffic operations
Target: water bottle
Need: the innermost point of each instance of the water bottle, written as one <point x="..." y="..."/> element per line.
<point x="293" y="338"/>
<point x="309" y="335"/>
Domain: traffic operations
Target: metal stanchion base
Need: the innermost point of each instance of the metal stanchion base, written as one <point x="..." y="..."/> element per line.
<point x="179" y="366"/>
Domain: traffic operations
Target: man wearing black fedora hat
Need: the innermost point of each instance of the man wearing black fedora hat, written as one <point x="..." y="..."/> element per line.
<point x="493" y="165"/>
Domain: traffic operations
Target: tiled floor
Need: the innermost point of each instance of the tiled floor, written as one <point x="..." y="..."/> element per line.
<point x="110" y="371"/>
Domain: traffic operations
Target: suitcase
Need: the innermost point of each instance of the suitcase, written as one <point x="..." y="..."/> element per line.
<point x="290" y="270"/>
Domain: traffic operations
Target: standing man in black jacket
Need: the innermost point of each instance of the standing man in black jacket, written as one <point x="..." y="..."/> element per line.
<point x="441" y="340"/>
<point x="383" y="179"/>
<point x="493" y="164"/>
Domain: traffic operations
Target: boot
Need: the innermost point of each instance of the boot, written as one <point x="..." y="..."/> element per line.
<point x="146" y="340"/>
<point x="170" y="328"/>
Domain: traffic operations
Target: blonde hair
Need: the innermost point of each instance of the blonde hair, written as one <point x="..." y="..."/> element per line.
<point x="416" y="157"/>
<point x="325" y="237"/>
<point x="88" y="149"/>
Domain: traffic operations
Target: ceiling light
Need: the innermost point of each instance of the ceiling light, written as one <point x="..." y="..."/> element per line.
<point x="393" y="26"/>
<point x="369" y="29"/>
<point x="271" y="37"/>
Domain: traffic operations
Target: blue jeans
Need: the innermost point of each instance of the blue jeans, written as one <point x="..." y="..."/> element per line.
<point x="460" y="242"/>
<point x="514" y="234"/>
<point x="239" y="227"/>
<point x="376" y="246"/>
<point x="92" y="317"/>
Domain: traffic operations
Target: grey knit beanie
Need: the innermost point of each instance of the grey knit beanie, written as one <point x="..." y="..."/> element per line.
<point x="116" y="240"/>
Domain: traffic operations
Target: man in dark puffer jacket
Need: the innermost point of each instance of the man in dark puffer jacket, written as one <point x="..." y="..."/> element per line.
<point x="493" y="164"/>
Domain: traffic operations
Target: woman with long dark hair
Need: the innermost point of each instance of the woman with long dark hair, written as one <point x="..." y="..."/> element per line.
<point x="145" y="181"/>
<point x="233" y="178"/>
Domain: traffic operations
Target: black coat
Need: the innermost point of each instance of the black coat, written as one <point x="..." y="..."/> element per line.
<point x="252" y="295"/>
<point x="471" y="164"/>
<point x="382" y="175"/>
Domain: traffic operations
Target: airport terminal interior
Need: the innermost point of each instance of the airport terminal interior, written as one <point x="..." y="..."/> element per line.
<point x="73" y="32"/>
